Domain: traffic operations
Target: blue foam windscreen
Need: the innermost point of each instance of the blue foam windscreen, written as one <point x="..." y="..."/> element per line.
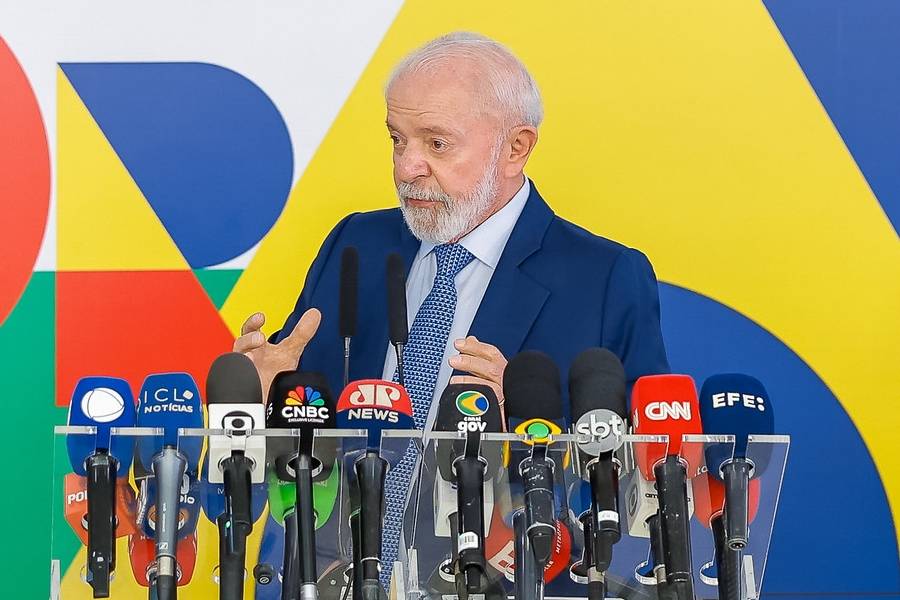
<point x="735" y="404"/>
<point x="102" y="402"/>
<point x="170" y="401"/>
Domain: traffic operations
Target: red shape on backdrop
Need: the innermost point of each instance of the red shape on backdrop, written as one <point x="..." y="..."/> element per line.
<point x="132" y="323"/>
<point x="24" y="180"/>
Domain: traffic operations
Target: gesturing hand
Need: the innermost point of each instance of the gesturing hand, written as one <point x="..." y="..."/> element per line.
<point x="484" y="362"/>
<point x="271" y="359"/>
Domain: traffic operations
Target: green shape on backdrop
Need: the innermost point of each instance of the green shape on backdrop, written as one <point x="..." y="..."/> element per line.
<point x="27" y="386"/>
<point x="218" y="283"/>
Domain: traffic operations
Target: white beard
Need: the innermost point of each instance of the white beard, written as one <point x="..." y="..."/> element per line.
<point x="449" y="218"/>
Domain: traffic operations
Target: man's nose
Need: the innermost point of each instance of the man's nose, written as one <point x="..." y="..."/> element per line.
<point x="411" y="164"/>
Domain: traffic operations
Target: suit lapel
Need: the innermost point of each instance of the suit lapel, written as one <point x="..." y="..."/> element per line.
<point x="513" y="299"/>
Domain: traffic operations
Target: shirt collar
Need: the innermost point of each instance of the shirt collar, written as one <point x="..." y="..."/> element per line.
<point x="487" y="241"/>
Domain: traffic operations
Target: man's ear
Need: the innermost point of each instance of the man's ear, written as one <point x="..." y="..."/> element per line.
<point x="521" y="142"/>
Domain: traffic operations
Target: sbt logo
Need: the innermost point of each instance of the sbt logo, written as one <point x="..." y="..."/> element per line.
<point x="375" y="394"/>
<point x="318" y="413"/>
<point x="660" y="411"/>
<point x="598" y="428"/>
<point x="724" y="399"/>
<point x="473" y="424"/>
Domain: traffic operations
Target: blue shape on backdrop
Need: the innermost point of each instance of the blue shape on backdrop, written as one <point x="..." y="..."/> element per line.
<point x="849" y="52"/>
<point x="833" y="516"/>
<point x="206" y="146"/>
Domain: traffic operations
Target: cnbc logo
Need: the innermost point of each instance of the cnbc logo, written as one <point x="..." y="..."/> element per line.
<point x="304" y="395"/>
<point x="304" y="405"/>
<point x="472" y="404"/>
<point x="538" y="430"/>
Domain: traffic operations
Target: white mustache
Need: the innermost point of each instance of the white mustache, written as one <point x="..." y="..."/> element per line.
<point x="408" y="191"/>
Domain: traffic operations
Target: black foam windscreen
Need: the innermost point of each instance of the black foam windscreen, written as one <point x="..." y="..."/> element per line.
<point x="465" y="408"/>
<point x="299" y="400"/>
<point x="531" y="387"/>
<point x="398" y="326"/>
<point x="597" y="380"/>
<point x="349" y="291"/>
<point x="233" y="379"/>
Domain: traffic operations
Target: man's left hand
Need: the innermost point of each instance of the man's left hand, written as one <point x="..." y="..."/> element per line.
<point x="484" y="363"/>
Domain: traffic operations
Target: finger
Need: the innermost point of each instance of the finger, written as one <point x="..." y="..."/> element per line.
<point x="249" y="341"/>
<point x="478" y="366"/>
<point x="471" y="345"/>
<point x="303" y="331"/>
<point x="253" y="323"/>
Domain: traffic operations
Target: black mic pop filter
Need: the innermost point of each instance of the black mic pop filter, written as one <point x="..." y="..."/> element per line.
<point x="597" y="380"/>
<point x="233" y="379"/>
<point x="349" y="291"/>
<point x="398" y="325"/>
<point x="531" y="388"/>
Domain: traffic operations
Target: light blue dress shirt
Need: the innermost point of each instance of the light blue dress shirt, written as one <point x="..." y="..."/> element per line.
<point x="486" y="243"/>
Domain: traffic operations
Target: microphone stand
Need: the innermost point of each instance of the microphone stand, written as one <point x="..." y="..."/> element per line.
<point x="371" y="470"/>
<point x="529" y="580"/>
<point x="234" y="524"/>
<point x="470" y="469"/>
<point x="306" y="521"/>
<point x="101" y="498"/>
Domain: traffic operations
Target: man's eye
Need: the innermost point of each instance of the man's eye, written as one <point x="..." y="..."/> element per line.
<point x="439" y="144"/>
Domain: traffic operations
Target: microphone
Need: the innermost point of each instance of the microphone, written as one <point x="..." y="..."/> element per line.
<point x="374" y="405"/>
<point x="76" y="508"/>
<point x="302" y="401"/>
<point x="533" y="399"/>
<point x="469" y="409"/>
<point x="348" y="298"/>
<point x="667" y="405"/>
<point x="104" y="403"/>
<point x="169" y="401"/>
<point x="736" y="404"/>
<point x="236" y="459"/>
<point x="398" y="324"/>
<point x="724" y="571"/>
<point x="597" y="393"/>
<point x="531" y="386"/>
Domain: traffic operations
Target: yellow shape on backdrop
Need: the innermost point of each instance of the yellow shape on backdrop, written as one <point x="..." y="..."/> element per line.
<point x="104" y="223"/>
<point x="685" y="130"/>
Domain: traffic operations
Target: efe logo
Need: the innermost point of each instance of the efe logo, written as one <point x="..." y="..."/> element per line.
<point x="724" y="399"/>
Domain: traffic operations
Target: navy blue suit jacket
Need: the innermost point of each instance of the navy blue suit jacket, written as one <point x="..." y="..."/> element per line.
<point x="557" y="288"/>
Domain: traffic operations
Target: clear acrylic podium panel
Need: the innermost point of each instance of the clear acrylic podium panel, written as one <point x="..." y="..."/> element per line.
<point x="417" y="573"/>
<point x="198" y="551"/>
<point x="427" y="533"/>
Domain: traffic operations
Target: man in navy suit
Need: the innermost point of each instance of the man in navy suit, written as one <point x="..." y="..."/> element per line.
<point x="463" y="116"/>
<point x="491" y="270"/>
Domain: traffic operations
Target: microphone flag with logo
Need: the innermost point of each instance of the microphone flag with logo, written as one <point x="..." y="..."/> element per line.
<point x="103" y="403"/>
<point x="597" y="393"/>
<point x="667" y="405"/>
<point x="739" y="405"/>
<point x="170" y="401"/>
<point x="472" y="410"/>
<point x="301" y="401"/>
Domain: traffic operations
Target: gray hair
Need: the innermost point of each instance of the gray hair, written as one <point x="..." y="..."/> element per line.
<point x="508" y="85"/>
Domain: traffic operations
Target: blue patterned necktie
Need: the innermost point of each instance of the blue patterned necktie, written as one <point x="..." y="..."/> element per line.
<point x="422" y="358"/>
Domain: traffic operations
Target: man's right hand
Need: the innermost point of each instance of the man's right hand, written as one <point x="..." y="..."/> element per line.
<point x="272" y="359"/>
